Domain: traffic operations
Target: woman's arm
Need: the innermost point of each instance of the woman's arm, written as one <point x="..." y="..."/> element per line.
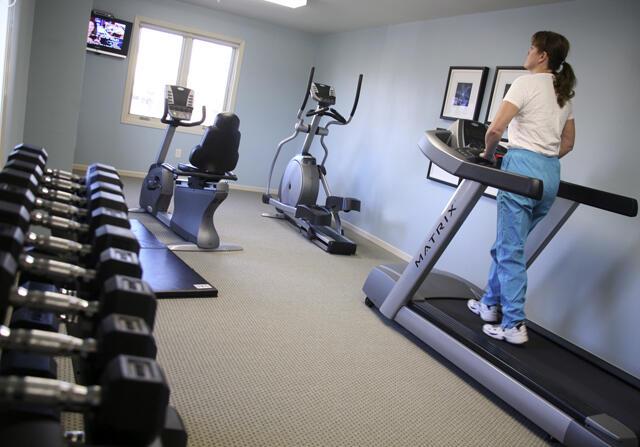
<point x="568" y="137"/>
<point x="503" y="117"/>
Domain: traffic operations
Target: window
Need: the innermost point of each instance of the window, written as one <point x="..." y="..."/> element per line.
<point x="164" y="54"/>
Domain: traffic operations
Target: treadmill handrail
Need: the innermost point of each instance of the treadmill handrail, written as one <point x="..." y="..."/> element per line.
<point x="603" y="200"/>
<point x="451" y="161"/>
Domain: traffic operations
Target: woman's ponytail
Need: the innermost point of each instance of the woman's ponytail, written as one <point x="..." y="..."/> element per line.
<point x="564" y="83"/>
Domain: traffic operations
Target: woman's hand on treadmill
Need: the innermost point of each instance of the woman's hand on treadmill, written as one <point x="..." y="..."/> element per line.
<point x="487" y="157"/>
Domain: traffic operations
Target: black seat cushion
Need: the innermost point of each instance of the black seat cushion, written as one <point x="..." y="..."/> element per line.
<point x="217" y="153"/>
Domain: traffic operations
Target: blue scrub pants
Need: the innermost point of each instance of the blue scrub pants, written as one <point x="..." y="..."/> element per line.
<point x="517" y="216"/>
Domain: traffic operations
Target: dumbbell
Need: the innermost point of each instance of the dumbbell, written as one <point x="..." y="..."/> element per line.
<point x="96" y="218"/>
<point x="14" y="239"/>
<point x="23" y="363"/>
<point x="58" y="172"/>
<point x="19" y="429"/>
<point x="97" y="199"/>
<point x="127" y="296"/>
<point x="95" y="173"/>
<point x="129" y="405"/>
<point x="62" y="184"/>
<point x="116" y="334"/>
<point x="119" y="294"/>
<point x="18" y="215"/>
<point x="94" y="179"/>
<point x="111" y="262"/>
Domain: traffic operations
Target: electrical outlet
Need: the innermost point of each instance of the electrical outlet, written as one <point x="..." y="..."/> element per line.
<point x="178" y="153"/>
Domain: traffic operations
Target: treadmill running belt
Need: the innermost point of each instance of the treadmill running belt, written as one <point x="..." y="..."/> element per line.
<point x="572" y="382"/>
<point x="167" y="274"/>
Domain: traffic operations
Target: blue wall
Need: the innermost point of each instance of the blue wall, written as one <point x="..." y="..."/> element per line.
<point x="56" y="70"/>
<point x="21" y="28"/>
<point x="272" y="80"/>
<point x="585" y="286"/>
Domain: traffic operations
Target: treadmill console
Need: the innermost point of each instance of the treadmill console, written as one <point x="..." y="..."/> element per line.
<point x="179" y="102"/>
<point x="467" y="133"/>
<point x="467" y="137"/>
<point x="324" y="94"/>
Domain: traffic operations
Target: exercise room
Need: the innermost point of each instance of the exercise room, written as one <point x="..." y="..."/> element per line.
<point x="319" y="223"/>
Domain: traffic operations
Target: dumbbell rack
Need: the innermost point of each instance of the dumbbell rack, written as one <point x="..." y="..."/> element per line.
<point x="82" y="269"/>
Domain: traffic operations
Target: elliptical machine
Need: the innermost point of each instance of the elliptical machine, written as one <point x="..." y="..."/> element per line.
<point x="300" y="183"/>
<point x="199" y="195"/>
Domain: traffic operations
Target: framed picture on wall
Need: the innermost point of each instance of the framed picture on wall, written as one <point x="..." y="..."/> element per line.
<point x="436" y="173"/>
<point x="464" y="92"/>
<point x="501" y="83"/>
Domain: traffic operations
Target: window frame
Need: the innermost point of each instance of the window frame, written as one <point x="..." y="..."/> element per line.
<point x="188" y="35"/>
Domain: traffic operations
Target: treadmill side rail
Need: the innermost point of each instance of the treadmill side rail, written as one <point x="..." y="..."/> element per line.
<point x="437" y="240"/>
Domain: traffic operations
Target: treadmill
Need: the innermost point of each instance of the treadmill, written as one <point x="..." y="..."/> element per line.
<point x="574" y="396"/>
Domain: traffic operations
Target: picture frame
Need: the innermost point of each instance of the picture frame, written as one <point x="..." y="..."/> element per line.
<point x="437" y="174"/>
<point x="464" y="92"/>
<point x="504" y="77"/>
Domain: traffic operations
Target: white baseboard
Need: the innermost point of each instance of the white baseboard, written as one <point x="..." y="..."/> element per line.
<point x="376" y="240"/>
<point x="139" y="174"/>
<point x="359" y="231"/>
<point x="123" y="172"/>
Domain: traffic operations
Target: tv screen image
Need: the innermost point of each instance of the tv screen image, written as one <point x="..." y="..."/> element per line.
<point x="108" y="35"/>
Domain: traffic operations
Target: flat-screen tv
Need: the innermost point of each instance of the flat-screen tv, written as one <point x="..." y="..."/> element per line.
<point x="108" y="35"/>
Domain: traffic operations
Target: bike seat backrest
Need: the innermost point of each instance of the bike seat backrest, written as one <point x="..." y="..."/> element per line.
<point x="217" y="153"/>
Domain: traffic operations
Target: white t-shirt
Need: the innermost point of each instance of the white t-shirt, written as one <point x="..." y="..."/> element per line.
<point x="540" y="120"/>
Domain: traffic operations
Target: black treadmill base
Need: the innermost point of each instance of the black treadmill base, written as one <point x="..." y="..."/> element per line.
<point x="166" y="273"/>
<point x="568" y="378"/>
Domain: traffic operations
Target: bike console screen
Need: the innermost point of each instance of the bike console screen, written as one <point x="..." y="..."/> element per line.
<point x="179" y="102"/>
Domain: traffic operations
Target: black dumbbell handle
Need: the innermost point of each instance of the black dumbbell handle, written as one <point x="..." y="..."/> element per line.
<point x="57" y="245"/>
<point x="60" y="196"/>
<point x="61" y="184"/>
<point x="64" y="175"/>
<point x="45" y="342"/>
<point x="49" y="391"/>
<point x="51" y="268"/>
<point x="43" y="218"/>
<point x="52" y="301"/>
<point x="60" y="208"/>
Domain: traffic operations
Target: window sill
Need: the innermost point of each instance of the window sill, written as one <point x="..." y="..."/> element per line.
<point x="156" y="124"/>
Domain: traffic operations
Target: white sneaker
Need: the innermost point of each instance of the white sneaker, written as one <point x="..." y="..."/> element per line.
<point x="487" y="313"/>
<point x="515" y="335"/>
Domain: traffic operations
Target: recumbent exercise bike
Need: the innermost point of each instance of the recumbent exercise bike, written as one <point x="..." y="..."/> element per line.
<point x="206" y="185"/>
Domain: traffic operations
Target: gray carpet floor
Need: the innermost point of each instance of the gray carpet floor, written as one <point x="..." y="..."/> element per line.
<point x="288" y="354"/>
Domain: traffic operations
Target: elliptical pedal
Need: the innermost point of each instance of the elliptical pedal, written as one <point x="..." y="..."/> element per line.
<point x="315" y="215"/>
<point x="346" y="204"/>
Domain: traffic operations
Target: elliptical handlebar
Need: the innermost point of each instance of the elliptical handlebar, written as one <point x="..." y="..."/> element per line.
<point x="308" y="92"/>
<point x="333" y="113"/>
<point x="355" y="102"/>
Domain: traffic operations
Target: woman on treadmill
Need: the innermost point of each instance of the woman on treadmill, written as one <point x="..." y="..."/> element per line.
<point x="538" y="112"/>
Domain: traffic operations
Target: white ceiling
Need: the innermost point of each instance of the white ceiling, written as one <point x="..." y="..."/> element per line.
<point x="328" y="16"/>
